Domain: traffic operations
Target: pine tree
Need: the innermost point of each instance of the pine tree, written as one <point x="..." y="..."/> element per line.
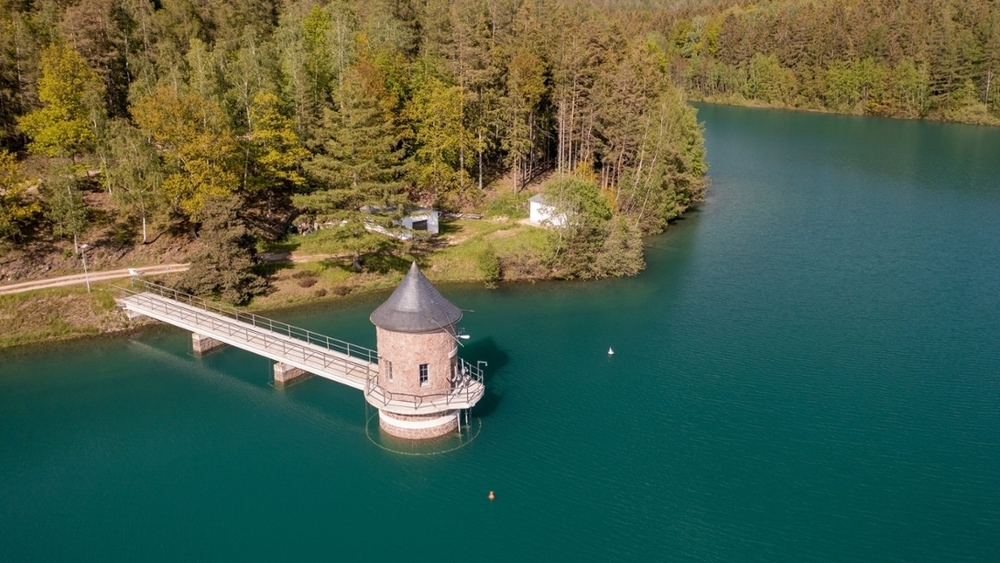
<point x="524" y="92"/>
<point x="315" y="50"/>
<point x="95" y="29"/>
<point x="359" y="151"/>
<point x="581" y="50"/>
<point x="435" y="112"/>
<point x="225" y="265"/>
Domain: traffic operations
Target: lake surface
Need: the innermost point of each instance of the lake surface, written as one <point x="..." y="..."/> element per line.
<point x="808" y="370"/>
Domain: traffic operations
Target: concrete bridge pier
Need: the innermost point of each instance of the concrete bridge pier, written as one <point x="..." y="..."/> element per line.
<point x="285" y="375"/>
<point x="202" y="344"/>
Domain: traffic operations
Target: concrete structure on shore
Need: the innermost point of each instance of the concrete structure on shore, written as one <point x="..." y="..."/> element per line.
<point x="416" y="379"/>
<point x="418" y="360"/>
<point x="542" y="212"/>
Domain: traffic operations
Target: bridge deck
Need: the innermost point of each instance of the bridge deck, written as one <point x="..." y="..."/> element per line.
<point x="278" y="341"/>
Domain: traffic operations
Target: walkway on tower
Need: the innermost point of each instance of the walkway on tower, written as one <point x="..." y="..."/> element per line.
<point x="312" y="352"/>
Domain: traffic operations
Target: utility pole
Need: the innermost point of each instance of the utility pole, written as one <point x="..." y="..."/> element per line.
<point x="83" y="254"/>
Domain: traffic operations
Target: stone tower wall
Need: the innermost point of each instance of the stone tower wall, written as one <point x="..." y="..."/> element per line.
<point x="407" y="350"/>
<point x="395" y="424"/>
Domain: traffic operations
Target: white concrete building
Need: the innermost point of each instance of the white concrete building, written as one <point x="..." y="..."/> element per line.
<point x="541" y="212"/>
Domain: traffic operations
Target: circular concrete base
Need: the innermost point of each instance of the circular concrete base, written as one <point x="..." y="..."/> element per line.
<point x="418" y="427"/>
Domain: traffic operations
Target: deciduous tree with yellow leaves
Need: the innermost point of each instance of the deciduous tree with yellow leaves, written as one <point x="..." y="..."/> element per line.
<point x="65" y="125"/>
<point x="16" y="211"/>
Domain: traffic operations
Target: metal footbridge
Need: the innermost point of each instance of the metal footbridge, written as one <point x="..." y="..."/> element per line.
<point x="309" y="351"/>
<point x="350" y="364"/>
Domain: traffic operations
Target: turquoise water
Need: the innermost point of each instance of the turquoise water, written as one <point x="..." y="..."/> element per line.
<point x="808" y="370"/>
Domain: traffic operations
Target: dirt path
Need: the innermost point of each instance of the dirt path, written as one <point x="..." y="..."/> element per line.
<point x="81" y="279"/>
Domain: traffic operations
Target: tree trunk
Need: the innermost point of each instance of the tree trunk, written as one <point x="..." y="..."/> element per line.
<point x="572" y="129"/>
<point x="20" y="77"/>
<point x="480" y="161"/>
<point x="986" y="96"/>
<point x="530" y="169"/>
<point x="562" y="136"/>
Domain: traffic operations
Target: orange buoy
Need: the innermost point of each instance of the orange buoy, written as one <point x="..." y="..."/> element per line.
<point x="491" y="496"/>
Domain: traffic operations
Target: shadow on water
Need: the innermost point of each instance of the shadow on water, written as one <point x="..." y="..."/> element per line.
<point x="486" y="349"/>
<point x="488" y="403"/>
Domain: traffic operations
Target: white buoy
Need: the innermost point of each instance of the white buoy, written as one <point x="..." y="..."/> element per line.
<point x="611" y="352"/>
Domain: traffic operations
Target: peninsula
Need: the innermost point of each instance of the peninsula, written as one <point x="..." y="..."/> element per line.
<point x="277" y="152"/>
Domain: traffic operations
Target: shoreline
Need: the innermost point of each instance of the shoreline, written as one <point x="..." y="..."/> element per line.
<point x="754" y="104"/>
<point x="117" y="325"/>
<point x="313" y="274"/>
<point x="57" y="309"/>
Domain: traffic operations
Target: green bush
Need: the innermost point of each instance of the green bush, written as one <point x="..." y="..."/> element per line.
<point x="580" y="200"/>
<point x="489" y="266"/>
<point x="123" y="234"/>
<point x="511" y="205"/>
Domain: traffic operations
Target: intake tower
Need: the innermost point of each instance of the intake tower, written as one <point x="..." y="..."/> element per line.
<point x="421" y="385"/>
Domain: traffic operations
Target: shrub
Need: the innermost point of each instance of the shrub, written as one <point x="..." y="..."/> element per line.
<point x="488" y="265"/>
<point x="581" y="201"/>
<point x="621" y="253"/>
<point x="514" y="206"/>
<point x="123" y="234"/>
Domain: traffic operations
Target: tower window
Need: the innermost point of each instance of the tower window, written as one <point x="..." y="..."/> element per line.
<point x="423" y="374"/>
<point x="388" y="369"/>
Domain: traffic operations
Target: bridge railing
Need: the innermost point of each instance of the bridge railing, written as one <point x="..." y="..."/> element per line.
<point x="370" y="356"/>
<point x="291" y="351"/>
<point x="467" y="388"/>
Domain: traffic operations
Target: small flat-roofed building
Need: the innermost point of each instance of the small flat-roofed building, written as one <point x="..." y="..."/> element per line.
<point x="419" y="219"/>
<point x="422" y="220"/>
<point x="541" y="212"/>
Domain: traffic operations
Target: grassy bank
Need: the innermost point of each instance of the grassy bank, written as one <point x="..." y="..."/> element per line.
<point x="325" y="274"/>
<point x="522" y="252"/>
<point x="59" y="314"/>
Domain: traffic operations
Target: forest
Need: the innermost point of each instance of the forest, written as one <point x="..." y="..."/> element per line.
<point x="917" y="59"/>
<point x="232" y="121"/>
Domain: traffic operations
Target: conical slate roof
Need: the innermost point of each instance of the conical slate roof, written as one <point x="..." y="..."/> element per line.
<point x="415" y="306"/>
